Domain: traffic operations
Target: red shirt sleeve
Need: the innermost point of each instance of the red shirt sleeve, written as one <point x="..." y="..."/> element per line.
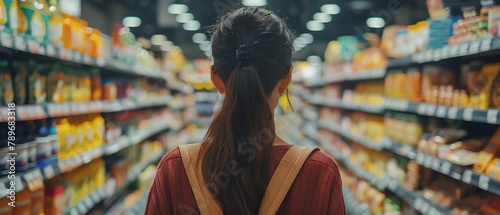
<point x="337" y="205"/>
<point x="159" y="199"/>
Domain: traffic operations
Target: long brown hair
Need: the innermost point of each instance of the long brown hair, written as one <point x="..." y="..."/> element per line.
<point x="252" y="49"/>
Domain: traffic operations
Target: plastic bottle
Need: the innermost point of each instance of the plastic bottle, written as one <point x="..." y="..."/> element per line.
<point x="65" y="138"/>
<point x="20" y="82"/>
<point x="32" y="144"/>
<point x="21" y="147"/>
<point x="6" y="86"/>
<point x="54" y="138"/>
<point x="55" y="24"/>
<point x="37" y="85"/>
<point x="43" y="9"/>
<point x="44" y="146"/>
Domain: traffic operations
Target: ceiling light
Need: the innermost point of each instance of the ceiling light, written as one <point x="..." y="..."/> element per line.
<point x="375" y="22"/>
<point x="205" y="45"/>
<point x="307" y="38"/>
<point x="184" y="17"/>
<point x="177" y="8"/>
<point x="191" y="25"/>
<point x="330" y="9"/>
<point x="298" y="44"/>
<point x="315" y="25"/>
<point x="322" y="17"/>
<point x="199" y="37"/>
<point x="158" y="39"/>
<point x="166" y="46"/>
<point x="254" y="2"/>
<point x="131" y="21"/>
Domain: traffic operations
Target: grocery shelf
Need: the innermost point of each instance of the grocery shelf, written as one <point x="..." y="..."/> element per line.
<point x="52" y="110"/>
<point x="359" y="139"/>
<point x="352" y="205"/>
<point x="489" y="116"/>
<point x="400" y="149"/>
<point x="14" y="44"/>
<point x="60" y="167"/>
<point x="140" y="205"/>
<point x="448" y="52"/>
<point x="462" y="173"/>
<point x="353" y="76"/>
<point x="321" y="101"/>
<point x="104" y="193"/>
<point x="413" y="198"/>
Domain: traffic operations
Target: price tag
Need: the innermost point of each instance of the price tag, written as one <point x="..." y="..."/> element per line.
<point x="441" y="111"/>
<point x="48" y="172"/>
<point x="41" y="50"/>
<point x="454" y="50"/>
<point x="81" y="208"/>
<point x="88" y="202"/>
<point x="492" y="116"/>
<point x="51" y="51"/>
<point x="467" y="115"/>
<point x="428" y="55"/>
<point x="484" y="182"/>
<point x="6" y="40"/>
<point x="87" y="59"/>
<point x="436" y="55"/>
<point x="434" y="211"/>
<point x="467" y="176"/>
<point x="420" y="158"/>
<point x="446" y="167"/>
<point x="452" y="112"/>
<point x="463" y="49"/>
<point x="436" y="163"/>
<point x="474" y="47"/>
<point x="486" y="45"/>
<point x="425" y="207"/>
<point x="20" y="43"/>
<point x="33" y="46"/>
<point x="421" y="109"/>
<point x="445" y="52"/>
<point x="431" y="109"/>
<point x="428" y="162"/>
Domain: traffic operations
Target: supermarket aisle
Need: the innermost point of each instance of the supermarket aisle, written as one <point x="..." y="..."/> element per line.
<point x="92" y="97"/>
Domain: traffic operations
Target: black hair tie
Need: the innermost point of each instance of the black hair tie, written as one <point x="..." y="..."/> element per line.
<point x="244" y="52"/>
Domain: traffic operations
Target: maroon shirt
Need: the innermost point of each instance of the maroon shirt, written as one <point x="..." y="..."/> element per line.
<point x="317" y="189"/>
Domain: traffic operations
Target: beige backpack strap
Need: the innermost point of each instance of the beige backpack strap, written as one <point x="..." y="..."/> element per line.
<point x="207" y="204"/>
<point x="283" y="177"/>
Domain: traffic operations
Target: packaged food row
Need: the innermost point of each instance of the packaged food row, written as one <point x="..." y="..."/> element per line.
<point x="476" y="86"/>
<point x="442" y="28"/>
<point x="30" y="82"/>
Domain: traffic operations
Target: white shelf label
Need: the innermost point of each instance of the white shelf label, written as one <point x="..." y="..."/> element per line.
<point x="420" y="158"/>
<point x="445" y="52"/>
<point x="425" y="207"/>
<point x="6" y="40"/>
<point x="474" y="47"/>
<point x="436" y="163"/>
<point x="428" y="162"/>
<point x="431" y="109"/>
<point x="454" y="50"/>
<point x="467" y="176"/>
<point x="441" y="111"/>
<point x="484" y="182"/>
<point x="436" y="55"/>
<point x="467" y="115"/>
<point x="418" y="203"/>
<point x="421" y="109"/>
<point x="486" y="45"/>
<point x="491" y="116"/>
<point x="452" y="112"/>
<point x="48" y="171"/>
<point x="446" y="167"/>
<point x="463" y="49"/>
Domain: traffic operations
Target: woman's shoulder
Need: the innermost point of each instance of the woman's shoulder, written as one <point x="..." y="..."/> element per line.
<point x="318" y="159"/>
<point x="172" y="157"/>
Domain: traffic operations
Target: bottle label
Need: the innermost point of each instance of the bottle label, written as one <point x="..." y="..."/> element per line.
<point x="44" y="149"/>
<point x="37" y="26"/>
<point x="3" y="13"/>
<point x="55" y="31"/>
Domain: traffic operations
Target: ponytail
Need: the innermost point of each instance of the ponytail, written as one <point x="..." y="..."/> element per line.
<point x="252" y="49"/>
<point x="236" y="149"/>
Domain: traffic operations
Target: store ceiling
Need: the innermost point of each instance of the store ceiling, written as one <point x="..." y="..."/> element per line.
<point x="156" y="20"/>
